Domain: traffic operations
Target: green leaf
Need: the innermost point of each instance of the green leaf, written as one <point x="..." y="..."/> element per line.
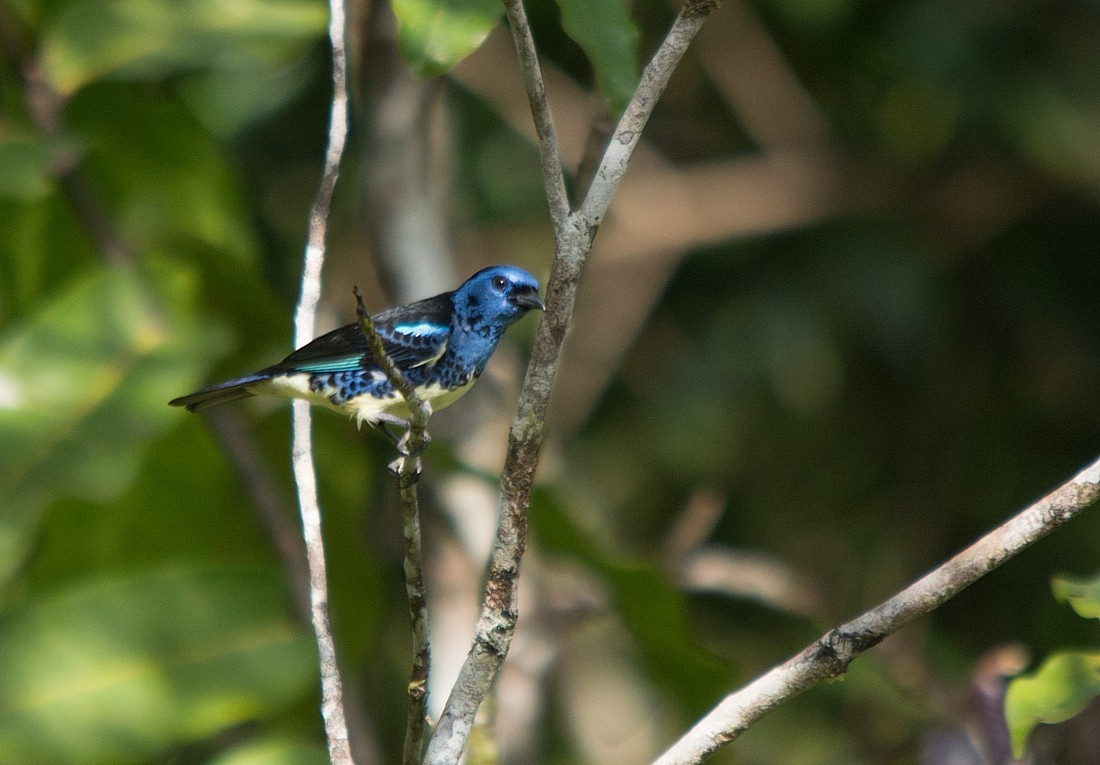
<point x="158" y="171"/>
<point x="146" y="39"/>
<point x="25" y="167"/>
<point x="118" y="669"/>
<point x="1083" y="595"/>
<point x="1058" y="690"/>
<point x="607" y="35"/>
<point x="434" y="35"/>
<point x="273" y="751"/>
<point x="43" y="245"/>
<point x="83" y="386"/>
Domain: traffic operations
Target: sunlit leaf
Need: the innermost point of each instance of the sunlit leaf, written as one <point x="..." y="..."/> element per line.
<point x="92" y="39"/>
<point x="607" y="35"/>
<point x="83" y="386"/>
<point x="1083" y="595"/>
<point x="273" y="751"/>
<point x="117" y="669"/>
<point x="1058" y="690"/>
<point x="434" y="35"/>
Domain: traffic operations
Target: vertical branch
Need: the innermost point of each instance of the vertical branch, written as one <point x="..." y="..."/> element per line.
<point x="332" y="701"/>
<point x="574" y="234"/>
<point x="417" y="714"/>
<point x="406" y="469"/>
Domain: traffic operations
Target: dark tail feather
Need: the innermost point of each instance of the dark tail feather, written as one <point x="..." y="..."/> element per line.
<point x="216" y="395"/>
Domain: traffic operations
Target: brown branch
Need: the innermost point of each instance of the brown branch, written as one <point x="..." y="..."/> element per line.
<point x="830" y="655"/>
<point x="574" y="234"/>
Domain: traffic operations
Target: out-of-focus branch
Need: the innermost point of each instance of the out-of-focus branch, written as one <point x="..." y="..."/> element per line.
<point x="408" y="167"/>
<point x="830" y="655"/>
<point x="574" y="234"/>
<point x="45" y="107"/>
<point x="269" y="503"/>
<point x="332" y="696"/>
<point x="406" y="469"/>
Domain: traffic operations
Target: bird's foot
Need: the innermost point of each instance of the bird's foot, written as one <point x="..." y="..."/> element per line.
<point x="385" y="428"/>
<point x="389" y="427"/>
<point x="406" y="449"/>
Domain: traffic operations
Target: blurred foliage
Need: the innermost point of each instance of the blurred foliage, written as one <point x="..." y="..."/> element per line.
<point x="1065" y="682"/>
<point x="863" y="391"/>
<point x="434" y="36"/>
<point x="607" y="35"/>
<point x="118" y="669"/>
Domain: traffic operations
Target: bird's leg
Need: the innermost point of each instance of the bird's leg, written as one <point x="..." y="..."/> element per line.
<point x="384" y="425"/>
<point x="404" y="449"/>
<point x="409" y="457"/>
<point x="391" y="436"/>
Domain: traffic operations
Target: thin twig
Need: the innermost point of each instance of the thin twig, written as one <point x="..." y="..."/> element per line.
<point x="831" y="654"/>
<point x="332" y="697"/>
<point x="574" y="234"/>
<point x="553" y="172"/>
<point x="406" y="469"/>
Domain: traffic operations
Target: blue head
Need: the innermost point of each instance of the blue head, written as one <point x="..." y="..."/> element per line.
<point x="495" y="297"/>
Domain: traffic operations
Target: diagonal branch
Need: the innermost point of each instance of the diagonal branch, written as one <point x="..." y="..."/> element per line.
<point x="574" y="234"/>
<point x="332" y="695"/>
<point x="831" y="654"/>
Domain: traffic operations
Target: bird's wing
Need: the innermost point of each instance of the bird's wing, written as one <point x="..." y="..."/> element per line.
<point x="412" y="335"/>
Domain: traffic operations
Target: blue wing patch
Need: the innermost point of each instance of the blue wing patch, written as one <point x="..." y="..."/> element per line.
<point x="422" y="329"/>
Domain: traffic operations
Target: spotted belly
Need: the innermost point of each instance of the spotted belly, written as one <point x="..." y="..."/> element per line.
<point x="372" y="404"/>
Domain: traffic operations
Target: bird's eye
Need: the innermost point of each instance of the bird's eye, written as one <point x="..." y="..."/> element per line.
<point x="499" y="282"/>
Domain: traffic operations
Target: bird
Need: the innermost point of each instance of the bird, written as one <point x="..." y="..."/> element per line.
<point x="440" y="344"/>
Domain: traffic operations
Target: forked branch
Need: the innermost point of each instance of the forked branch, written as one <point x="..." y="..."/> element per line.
<point x="574" y="232"/>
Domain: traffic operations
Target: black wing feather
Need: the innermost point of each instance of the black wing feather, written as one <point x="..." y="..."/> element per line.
<point x="347" y="348"/>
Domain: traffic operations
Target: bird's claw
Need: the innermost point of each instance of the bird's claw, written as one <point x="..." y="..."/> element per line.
<point x="405" y="449"/>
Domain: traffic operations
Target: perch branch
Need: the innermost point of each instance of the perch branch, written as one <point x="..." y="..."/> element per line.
<point x="406" y="469"/>
<point x="830" y="655"/>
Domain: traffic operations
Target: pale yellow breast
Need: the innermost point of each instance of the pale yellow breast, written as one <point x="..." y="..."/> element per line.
<point x="363" y="408"/>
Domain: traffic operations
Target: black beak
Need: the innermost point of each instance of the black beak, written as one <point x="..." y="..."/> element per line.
<point x="528" y="299"/>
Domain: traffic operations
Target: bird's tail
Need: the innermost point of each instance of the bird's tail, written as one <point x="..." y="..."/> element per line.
<point x="216" y="395"/>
